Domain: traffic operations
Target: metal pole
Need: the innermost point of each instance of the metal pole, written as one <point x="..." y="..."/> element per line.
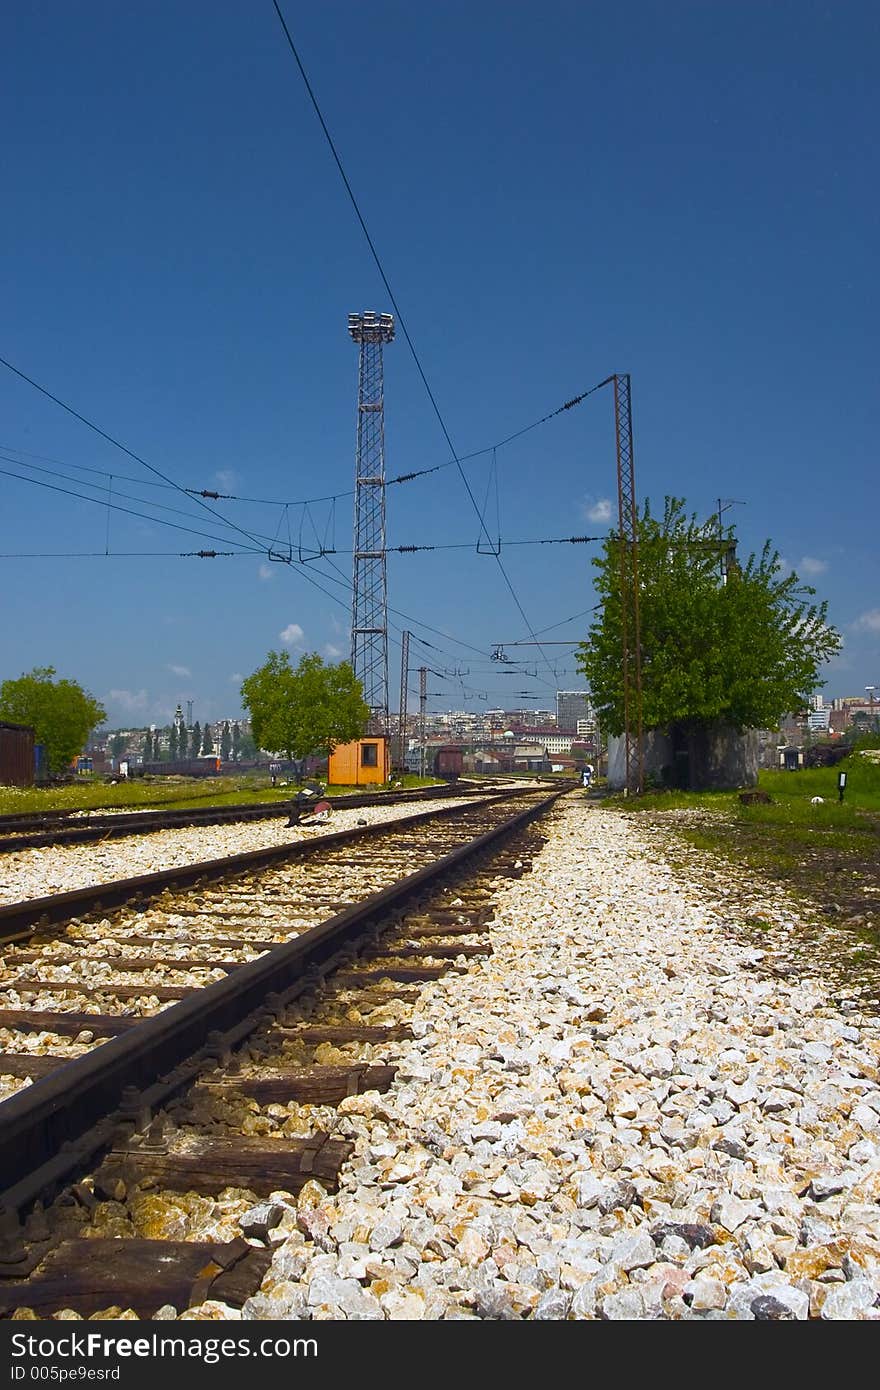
<point x="423" y="705"/>
<point x="401" y="718"/>
<point x="629" y="588"/>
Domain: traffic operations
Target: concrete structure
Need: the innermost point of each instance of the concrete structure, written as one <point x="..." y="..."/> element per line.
<point x="701" y="758"/>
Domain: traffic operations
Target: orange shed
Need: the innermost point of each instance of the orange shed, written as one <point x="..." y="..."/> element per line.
<point x="360" y="763"/>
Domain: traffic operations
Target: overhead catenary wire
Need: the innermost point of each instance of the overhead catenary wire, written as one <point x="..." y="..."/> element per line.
<point x="404" y="329"/>
<point x="142" y="516"/>
<point x="117" y="444"/>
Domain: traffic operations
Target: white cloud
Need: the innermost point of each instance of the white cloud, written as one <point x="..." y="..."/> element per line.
<point x="292" y="635"/>
<point x="869" y="621"/>
<point x="236" y="678"/>
<point x="180" y="670"/>
<point x="132" y="701"/>
<point x="811" y="566"/>
<point x="225" y="477"/>
<point x="266" y="571"/>
<point x="600" y="510"/>
<point x="333" y="653"/>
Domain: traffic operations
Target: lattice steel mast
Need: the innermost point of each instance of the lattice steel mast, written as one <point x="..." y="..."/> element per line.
<point x="629" y="587"/>
<point x="369" y="612"/>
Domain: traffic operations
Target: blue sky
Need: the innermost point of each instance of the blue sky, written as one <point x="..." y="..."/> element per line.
<point x="685" y="192"/>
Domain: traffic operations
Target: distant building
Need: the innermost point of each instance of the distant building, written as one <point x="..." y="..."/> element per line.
<point x="572" y="705"/>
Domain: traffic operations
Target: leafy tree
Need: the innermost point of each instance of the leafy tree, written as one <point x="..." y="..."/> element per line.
<point x="61" y="713"/>
<point x="157" y="746"/>
<point x="172" y="743"/>
<point x="225" y="741"/>
<point x="196" y="740"/>
<point x="307" y="709"/>
<point x="740" y="650"/>
<point x="147" y="753"/>
<point x="207" y="740"/>
<point x="247" y="747"/>
<point x="236" y="742"/>
<point x="118" y="745"/>
<point x="181" y="741"/>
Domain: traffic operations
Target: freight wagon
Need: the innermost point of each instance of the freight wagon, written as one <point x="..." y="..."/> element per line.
<point x="180" y="767"/>
<point x="16" y="755"/>
<point x="448" y="762"/>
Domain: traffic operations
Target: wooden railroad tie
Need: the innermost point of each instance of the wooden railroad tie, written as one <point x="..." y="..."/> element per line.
<point x="44" y="1021"/>
<point x="315" y="1085"/>
<point x="397" y="974"/>
<point x="91" y="1275"/>
<point x="161" y="992"/>
<point x="23" y="1064"/>
<point x="126" y="964"/>
<point x="339" y="1034"/>
<point x="208" y="1165"/>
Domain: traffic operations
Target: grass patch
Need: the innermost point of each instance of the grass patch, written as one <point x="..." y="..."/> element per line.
<point x="171" y="793"/>
<point x="828" y="852"/>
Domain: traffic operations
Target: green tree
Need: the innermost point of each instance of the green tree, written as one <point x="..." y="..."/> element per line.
<point x="61" y="713"/>
<point x="247" y="747"/>
<point x="307" y="709"/>
<point x="195" y="745"/>
<point x="207" y="740"/>
<point x="236" y="742"/>
<point x="740" y="650"/>
<point x="147" y="753"/>
<point x="225" y="741"/>
<point x="182" y="744"/>
<point x="118" y="745"/>
<point x="172" y="743"/>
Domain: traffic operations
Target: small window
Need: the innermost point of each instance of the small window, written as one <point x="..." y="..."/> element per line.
<point x="369" y="755"/>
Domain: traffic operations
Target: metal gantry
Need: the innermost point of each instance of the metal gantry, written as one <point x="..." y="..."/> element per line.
<point x="628" y="524"/>
<point x="369" y="613"/>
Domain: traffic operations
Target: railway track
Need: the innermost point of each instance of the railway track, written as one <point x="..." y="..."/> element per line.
<point x="20" y="832"/>
<point x="232" y="1052"/>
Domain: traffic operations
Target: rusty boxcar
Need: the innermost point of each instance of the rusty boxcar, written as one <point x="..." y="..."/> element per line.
<point x="16" y="755"/>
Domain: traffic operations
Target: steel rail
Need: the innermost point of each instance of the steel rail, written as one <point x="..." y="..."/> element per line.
<point x="102" y="827"/>
<point x="51" y="1128"/>
<point x="22" y="918"/>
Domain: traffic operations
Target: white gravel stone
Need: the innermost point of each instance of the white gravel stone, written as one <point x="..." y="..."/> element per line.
<point x="627" y="1111"/>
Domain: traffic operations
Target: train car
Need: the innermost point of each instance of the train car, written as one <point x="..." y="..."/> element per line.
<point x="180" y="767"/>
<point x="449" y="762"/>
<point x="17" y="761"/>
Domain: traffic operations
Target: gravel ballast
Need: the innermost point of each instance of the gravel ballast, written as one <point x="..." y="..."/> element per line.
<point x="640" y="1106"/>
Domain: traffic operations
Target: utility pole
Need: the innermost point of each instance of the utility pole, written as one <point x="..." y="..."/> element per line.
<point x="404" y="682"/>
<point x="726" y="553"/>
<point x="423" y="706"/>
<point x="369" y="613"/>
<point x="629" y="588"/>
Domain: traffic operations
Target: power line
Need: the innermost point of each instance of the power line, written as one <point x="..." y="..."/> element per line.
<point x="117" y="444"/>
<point x="121" y="554"/>
<point x="402" y="322"/>
<point x="142" y="516"/>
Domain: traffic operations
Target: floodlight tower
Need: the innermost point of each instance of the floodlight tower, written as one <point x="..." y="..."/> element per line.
<point x="369" y="610"/>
